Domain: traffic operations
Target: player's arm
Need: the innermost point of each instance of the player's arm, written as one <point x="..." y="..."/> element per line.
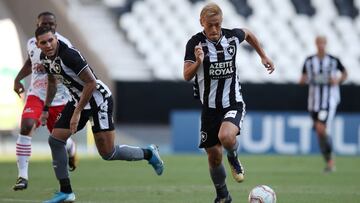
<point x="304" y="76"/>
<point x="89" y="79"/>
<point x="303" y="79"/>
<point x="90" y="85"/>
<point x="343" y="76"/>
<point x="254" y="42"/>
<point x="24" y="71"/>
<point x="51" y="90"/>
<point x="50" y="94"/>
<point x="341" y="79"/>
<point x="190" y="68"/>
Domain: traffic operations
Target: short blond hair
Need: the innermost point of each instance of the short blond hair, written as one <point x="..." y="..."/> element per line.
<point x="209" y="10"/>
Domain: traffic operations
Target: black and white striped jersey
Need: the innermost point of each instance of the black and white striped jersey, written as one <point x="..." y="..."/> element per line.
<point x="216" y="81"/>
<point x="67" y="66"/>
<point x="322" y="95"/>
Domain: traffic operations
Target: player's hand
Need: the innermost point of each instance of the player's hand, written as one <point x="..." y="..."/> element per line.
<point x="43" y="118"/>
<point x="199" y="53"/>
<point x="268" y="64"/>
<point x="18" y="87"/>
<point x="334" y="81"/>
<point x="74" y="122"/>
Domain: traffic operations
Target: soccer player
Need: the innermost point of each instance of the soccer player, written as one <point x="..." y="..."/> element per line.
<point x="91" y="100"/>
<point x="320" y="73"/>
<point x="210" y="58"/>
<point x="34" y="104"/>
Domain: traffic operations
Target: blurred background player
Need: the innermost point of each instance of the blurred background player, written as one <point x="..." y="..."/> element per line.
<point x="91" y="99"/>
<point x="320" y="72"/>
<point x="35" y="102"/>
<point x="210" y="58"/>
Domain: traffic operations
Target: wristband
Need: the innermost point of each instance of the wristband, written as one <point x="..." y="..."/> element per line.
<point x="46" y="108"/>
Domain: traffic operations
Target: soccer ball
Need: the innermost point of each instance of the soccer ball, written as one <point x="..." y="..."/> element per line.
<point x="262" y="194"/>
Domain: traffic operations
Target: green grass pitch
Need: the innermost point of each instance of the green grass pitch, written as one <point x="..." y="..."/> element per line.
<point x="297" y="179"/>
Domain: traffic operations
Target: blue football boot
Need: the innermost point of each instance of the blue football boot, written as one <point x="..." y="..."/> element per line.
<point x="155" y="160"/>
<point x="61" y="197"/>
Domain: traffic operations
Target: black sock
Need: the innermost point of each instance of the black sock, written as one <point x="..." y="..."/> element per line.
<point x="325" y="147"/>
<point x="125" y="152"/>
<point x="222" y="191"/>
<point x="65" y="186"/>
<point x="218" y="176"/>
<point x="147" y="154"/>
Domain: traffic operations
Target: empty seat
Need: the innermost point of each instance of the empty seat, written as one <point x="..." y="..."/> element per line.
<point x="261" y="9"/>
<point x="284" y="9"/>
<point x="346" y="8"/>
<point x="242" y="7"/>
<point x="304" y="7"/>
<point x="326" y="9"/>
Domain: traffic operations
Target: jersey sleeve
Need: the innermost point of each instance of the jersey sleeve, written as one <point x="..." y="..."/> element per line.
<point x="340" y="66"/>
<point x="67" y="42"/>
<point x="30" y="45"/>
<point x="240" y="34"/>
<point x="190" y="48"/>
<point x="45" y="62"/>
<point x="304" y="68"/>
<point x="63" y="39"/>
<point x="73" y="59"/>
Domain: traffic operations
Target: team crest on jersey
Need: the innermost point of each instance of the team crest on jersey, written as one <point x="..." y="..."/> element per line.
<point x="203" y="136"/>
<point x="231" y="50"/>
<point x="55" y="67"/>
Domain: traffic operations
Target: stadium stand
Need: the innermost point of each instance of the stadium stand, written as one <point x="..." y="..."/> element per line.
<point x="304" y="7"/>
<point x="144" y="40"/>
<point x="242" y="7"/>
<point x="346" y="8"/>
<point x="159" y="31"/>
<point x="119" y="7"/>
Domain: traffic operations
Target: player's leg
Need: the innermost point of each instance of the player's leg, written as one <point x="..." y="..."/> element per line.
<point x="23" y="153"/>
<point x="54" y="114"/>
<point x="57" y="142"/>
<point x="320" y="125"/>
<point x="71" y="152"/>
<point x="104" y="135"/>
<point x="324" y="144"/>
<point x="218" y="173"/>
<point x="227" y="136"/>
<point x="229" y="129"/>
<point x="105" y="144"/>
<point x="29" y="121"/>
<point x="210" y="125"/>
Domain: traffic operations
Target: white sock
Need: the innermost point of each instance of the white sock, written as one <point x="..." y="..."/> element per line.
<point x="70" y="147"/>
<point x="23" y="153"/>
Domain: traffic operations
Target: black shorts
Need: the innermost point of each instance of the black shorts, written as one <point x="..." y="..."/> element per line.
<point x="321" y="116"/>
<point x="101" y="118"/>
<point x="211" y="120"/>
<point x="324" y="115"/>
